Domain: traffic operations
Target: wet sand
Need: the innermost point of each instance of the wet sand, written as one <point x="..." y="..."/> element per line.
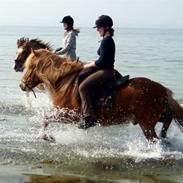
<point x="107" y="173"/>
<point x="17" y="175"/>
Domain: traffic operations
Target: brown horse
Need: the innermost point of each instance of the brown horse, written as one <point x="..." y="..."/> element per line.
<point x="141" y="100"/>
<point x="24" y="46"/>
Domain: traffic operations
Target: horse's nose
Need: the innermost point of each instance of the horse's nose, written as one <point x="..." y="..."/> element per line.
<point x="18" y="68"/>
<point x="22" y="86"/>
<point x="15" y="68"/>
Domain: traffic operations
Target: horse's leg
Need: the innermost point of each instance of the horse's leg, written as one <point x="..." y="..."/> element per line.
<point x="166" y="119"/>
<point x="43" y="134"/>
<point x="147" y="122"/>
<point x="45" y="124"/>
<point x="148" y="115"/>
<point x="166" y="124"/>
<point x="149" y="132"/>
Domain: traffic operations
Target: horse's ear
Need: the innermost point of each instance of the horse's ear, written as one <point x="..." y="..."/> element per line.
<point x="33" y="51"/>
<point x="21" y="41"/>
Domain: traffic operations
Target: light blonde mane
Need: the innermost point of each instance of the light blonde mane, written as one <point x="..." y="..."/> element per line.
<point x="51" y="68"/>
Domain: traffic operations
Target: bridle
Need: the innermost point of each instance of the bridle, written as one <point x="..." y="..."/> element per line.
<point x="30" y="81"/>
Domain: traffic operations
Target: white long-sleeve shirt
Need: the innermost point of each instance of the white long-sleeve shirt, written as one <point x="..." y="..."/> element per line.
<point x="69" y="45"/>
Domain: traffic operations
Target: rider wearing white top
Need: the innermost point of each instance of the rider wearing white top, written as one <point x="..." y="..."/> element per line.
<point x="69" y="40"/>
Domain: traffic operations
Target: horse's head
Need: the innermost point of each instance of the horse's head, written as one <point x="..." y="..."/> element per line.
<point x="24" y="46"/>
<point x="23" y="51"/>
<point x="31" y="77"/>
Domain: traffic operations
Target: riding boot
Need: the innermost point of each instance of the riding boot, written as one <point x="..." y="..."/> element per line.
<point x="89" y="121"/>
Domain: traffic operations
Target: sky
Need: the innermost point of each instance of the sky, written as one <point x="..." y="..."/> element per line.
<point x="125" y="13"/>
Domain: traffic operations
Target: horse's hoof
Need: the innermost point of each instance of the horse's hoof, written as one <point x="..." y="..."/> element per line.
<point x="48" y="138"/>
<point x="134" y="122"/>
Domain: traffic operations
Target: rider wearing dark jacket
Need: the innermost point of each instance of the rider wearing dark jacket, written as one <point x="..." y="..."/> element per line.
<point x="106" y="54"/>
<point x="104" y="73"/>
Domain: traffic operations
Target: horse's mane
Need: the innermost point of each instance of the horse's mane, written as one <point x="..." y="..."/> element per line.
<point x="34" y="43"/>
<point x="50" y="67"/>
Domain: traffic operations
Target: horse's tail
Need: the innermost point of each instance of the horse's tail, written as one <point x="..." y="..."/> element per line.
<point x="176" y="109"/>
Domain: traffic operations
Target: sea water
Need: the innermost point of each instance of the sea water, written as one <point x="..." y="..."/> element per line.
<point x="116" y="153"/>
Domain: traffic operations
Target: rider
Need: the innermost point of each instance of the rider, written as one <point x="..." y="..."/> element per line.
<point x="69" y="40"/>
<point x="104" y="73"/>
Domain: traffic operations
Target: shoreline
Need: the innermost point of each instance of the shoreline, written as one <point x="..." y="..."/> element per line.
<point x="25" y="174"/>
<point x="16" y="174"/>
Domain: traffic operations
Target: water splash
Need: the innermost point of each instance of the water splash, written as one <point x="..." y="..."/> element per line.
<point x="20" y="129"/>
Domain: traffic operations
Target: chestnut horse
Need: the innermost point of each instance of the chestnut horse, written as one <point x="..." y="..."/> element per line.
<point x="141" y="100"/>
<point x="24" y="46"/>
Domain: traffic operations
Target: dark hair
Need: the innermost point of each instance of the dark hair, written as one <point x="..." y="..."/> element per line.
<point x="104" y="21"/>
<point x="111" y="31"/>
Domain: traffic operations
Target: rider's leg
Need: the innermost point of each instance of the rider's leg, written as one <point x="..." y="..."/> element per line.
<point x="88" y="88"/>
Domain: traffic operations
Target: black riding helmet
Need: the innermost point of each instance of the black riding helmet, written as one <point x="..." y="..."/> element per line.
<point x="68" y="20"/>
<point x="104" y="21"/>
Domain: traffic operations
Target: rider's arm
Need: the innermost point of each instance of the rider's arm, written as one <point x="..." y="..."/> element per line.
<point x="106" y="51"/>
<point x="57" y="50"/>
<point x="99" y="63"/>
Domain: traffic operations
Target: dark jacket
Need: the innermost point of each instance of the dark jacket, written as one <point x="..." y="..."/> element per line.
<point x="106" y="54"/>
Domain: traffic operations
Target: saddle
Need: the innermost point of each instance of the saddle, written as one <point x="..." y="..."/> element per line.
<point x="106" y="95"/>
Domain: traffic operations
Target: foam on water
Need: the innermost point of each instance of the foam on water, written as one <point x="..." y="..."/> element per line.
<point x="115" y="142"/>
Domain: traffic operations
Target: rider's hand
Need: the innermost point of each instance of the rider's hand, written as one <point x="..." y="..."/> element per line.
<point x="86" y="66"/>
<point x="92" y="64"/>
<point x="57" y="50"/>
